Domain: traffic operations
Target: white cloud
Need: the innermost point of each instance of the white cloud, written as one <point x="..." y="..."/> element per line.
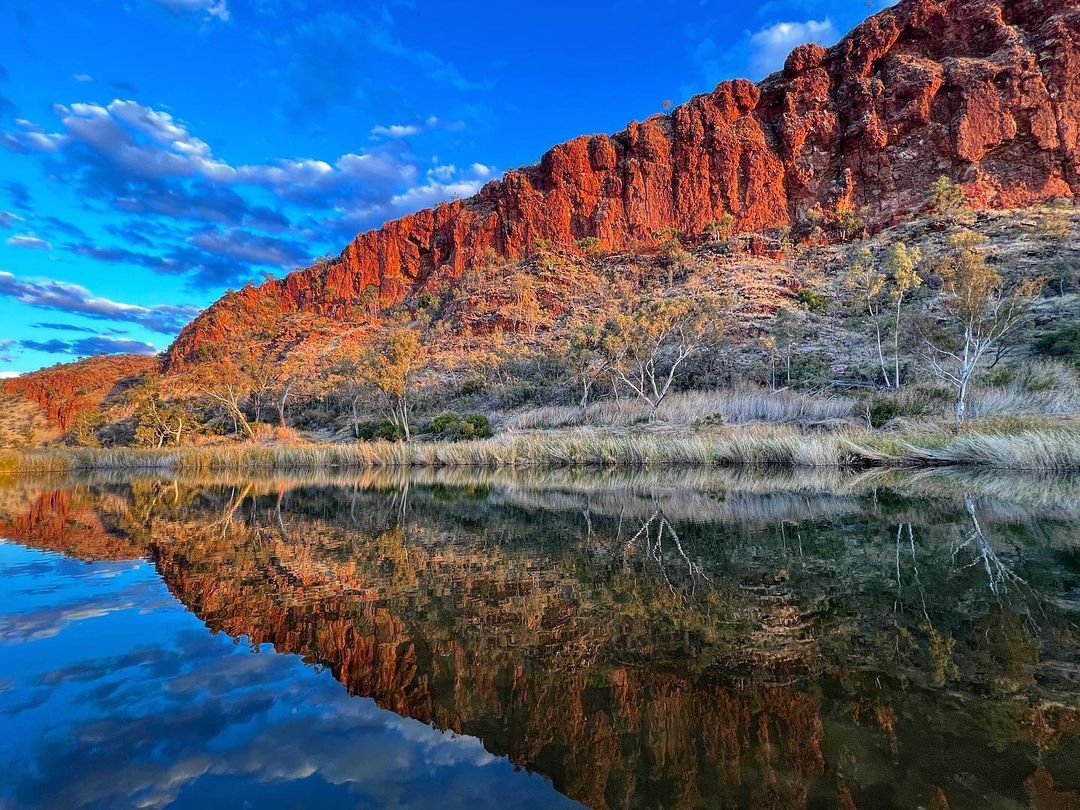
<point x="33" y="137"/>
<point x="159" y="126"/>
<point x="28" y="240"/>
<point x="429" y="124"/>
<point x="67" y="297"/>
<point x="243" y="245"/>
<point x="145" y="159"/>
<point x="7" y="375"/>
<point x="217" y="9"/>
<point x="150" y="144"/>
<point x="770" y="46"/>
<point x="432" y="193"/>
<point x="442" y="182"/>
<point x="443" y="172"/>
<point x="397" y="130"/>
<point x="83" y="77"/>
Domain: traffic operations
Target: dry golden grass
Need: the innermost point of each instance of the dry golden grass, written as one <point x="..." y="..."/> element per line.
<point x="1027" y="450"/>
<point x="734" y="407"/>
<point x="1032" y="449"/>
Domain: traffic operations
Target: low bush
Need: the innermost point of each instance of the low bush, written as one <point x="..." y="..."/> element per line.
<point x="513" y="394"/>
<point x="1001" y="377"/>
<point x="881" y="409"/>
<point x="589" y="245"/>
<point x="473" y="384"/>
<point x="812" y="300"/>
<point x="1062" y="344"/>
<point x="1029" y="388"/>
<point x="456" y="427"/>
<point x="381" y="429"/>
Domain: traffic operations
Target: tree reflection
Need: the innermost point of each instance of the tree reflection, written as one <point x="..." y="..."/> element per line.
<point x="998" y="574"/>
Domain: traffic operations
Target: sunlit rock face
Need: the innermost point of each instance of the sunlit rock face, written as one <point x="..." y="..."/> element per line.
<point x="66" y="390"/>
<point x="738" y="642"/>
<point x="984" y="91"/>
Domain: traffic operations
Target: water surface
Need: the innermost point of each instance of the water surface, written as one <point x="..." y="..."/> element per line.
<point x="704" y="639"/>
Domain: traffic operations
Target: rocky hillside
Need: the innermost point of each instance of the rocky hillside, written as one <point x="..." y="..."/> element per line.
<point x="62" y="391"/>
<point x="984" y="91"/>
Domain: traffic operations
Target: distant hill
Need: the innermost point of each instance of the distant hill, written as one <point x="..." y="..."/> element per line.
<point x="63" y="390"/>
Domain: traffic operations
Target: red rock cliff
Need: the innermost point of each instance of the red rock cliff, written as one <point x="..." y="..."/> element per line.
<point x="63" y="391"/>
<point x="986" y="91"/>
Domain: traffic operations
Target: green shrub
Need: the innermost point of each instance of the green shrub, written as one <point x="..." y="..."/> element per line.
<point x="721" y="230"/>
<point x="391" y="431"/>
<point x="945" y="198"/>
<point x="513" y="394"/>
<point x="589" y="245"/>
<point x="883" y="408"/>
<point x="382" y="429"/>
<point x="676" y="259"/>
<point x="444" y="424"/>
<point x="1001" y="377"/>
<point x="712" y="420"/>
<point x="1039" y="383"/>
<point x="1063" y="344"/>
<point x="473" y="384"/>
<point x="428" y="301"/>
<point x="937" y="393"/>
<point x="455" y="427"/>
<point x="812" y="300"/>
<point x="809" y="369"/>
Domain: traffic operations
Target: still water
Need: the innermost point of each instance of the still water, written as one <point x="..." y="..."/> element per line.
<point x="693" y="639"/>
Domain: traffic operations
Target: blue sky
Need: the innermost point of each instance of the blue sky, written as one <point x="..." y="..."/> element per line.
<point x="154" y="153"/>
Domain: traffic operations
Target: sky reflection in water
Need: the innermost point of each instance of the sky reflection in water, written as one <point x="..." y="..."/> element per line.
<point x="113" y="694"/>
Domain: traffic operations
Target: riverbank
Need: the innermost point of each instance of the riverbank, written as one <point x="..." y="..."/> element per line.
<point x="1043" y="447"/>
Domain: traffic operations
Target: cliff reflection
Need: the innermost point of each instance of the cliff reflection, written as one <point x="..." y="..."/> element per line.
<point x="726" y="640"/>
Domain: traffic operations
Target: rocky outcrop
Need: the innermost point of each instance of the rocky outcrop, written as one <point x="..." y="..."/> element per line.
<point x="984" y="91"/>
<point x="63" y="391"/>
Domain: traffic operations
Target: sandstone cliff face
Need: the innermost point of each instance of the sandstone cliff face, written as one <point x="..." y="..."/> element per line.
<point x="63" y="391"/>
<point x="985" y="91"/>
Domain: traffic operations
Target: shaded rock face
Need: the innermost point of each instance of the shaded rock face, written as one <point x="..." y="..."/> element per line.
<point x="62" y="392"/>
<point x="984" y="91"/>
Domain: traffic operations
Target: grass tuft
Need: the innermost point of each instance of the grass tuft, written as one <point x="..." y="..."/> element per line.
<point x="733" y="407"/>
<point x="1031" y="449"/>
